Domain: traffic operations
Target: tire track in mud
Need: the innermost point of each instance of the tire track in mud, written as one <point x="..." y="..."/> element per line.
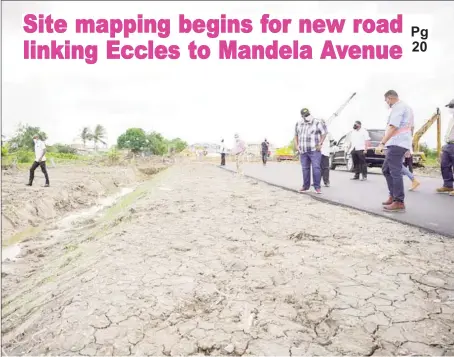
<point x="203" y="262"/>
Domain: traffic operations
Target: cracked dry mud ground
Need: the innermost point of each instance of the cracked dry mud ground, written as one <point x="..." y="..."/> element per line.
<point x="214" y="264"/>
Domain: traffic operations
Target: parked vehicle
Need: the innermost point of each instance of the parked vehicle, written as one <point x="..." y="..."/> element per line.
<point x="340" y="157"/>
<point x="284" y="154"/>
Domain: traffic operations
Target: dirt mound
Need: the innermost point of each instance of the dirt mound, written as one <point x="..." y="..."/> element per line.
<point x="71" y="188"/>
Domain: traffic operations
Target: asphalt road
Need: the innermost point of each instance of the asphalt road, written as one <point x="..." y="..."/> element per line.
<point x="424" y="208"/>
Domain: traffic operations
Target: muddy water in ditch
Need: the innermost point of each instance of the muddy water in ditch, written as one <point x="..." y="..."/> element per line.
<point x="11" y="252"/>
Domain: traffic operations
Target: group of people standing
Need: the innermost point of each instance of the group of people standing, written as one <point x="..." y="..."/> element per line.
<point x="312" y="142"/>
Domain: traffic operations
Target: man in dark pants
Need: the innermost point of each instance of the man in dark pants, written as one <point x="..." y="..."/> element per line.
<point x="265" y="148"/>
<point x="397" y="140"/>
<point x="40" y="160"/>
<point x="222" y="153"/>
<point x="447" y="156"/>
<point x="310" y="134"/>
<point x="360" y="142"/>
<point x="326" y="152"/>
<point x="408" y="162"/>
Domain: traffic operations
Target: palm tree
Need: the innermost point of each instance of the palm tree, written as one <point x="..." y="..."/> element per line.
<point x="99" y="135"/>
<point x="86" y="135"/>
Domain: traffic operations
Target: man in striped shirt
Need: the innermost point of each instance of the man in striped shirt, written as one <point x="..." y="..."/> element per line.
<point x="310" y="134"/>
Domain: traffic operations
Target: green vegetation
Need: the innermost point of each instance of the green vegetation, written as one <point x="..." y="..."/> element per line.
<point x="133" y="139"/>
<point x="113" y="156"/>
<point x="23" y="139"/>
<point x="137" y="140"/>
<point x="432" y="159"/>
<point x="97" y="136"/>
<point x="20" y="149"/>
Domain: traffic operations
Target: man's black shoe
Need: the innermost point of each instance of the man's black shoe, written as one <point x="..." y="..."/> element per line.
<point x="354" y="178"/>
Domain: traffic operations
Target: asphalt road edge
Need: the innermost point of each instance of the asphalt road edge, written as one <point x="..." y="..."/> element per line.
<point x="326" y="200"/>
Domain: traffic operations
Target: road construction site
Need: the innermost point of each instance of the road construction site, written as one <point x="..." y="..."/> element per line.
<point x="194" y="260"/>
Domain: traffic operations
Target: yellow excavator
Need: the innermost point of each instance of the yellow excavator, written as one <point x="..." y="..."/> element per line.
<point x="418" y="156"/>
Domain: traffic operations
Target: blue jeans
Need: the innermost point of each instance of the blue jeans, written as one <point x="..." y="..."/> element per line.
<point x="392" y="170"/>
<point x="407" y="172"/>
<point x="308" y="159"/>
<point x="447" y="165"/>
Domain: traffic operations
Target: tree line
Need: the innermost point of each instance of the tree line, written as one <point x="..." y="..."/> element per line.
<point x="134" y="139"/>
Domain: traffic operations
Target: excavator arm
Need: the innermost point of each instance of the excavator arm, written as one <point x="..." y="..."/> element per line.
<point x="417" y="136"/>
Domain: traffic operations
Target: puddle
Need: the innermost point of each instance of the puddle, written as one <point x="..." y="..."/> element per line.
<point x="12" y="251"/>
<point x="162" y="188"/>
<point x="90" y="213"/>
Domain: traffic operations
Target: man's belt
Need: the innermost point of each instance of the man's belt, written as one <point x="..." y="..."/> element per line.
<point x="450" y="142"/>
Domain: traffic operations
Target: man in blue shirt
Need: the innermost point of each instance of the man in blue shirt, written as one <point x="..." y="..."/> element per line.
<point x="397" y="141"/>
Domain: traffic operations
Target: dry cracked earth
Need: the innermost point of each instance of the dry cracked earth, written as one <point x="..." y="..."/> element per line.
<point x="206" y="263"/>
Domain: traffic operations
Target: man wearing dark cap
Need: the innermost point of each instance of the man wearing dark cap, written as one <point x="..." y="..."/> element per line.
<point x="264" y="151"/>
<point x="310" y="134"/>
<point x="447" y="155"/>
<point x="359" y="143"/>
<point x="397" y="141"/>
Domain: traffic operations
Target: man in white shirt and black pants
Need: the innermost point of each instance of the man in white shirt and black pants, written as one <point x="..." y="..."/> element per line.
<point x="222" y="150"/>
<point x="40" y="160"/>
<point x="360" y="141"/>
<point x="326" y="148"/>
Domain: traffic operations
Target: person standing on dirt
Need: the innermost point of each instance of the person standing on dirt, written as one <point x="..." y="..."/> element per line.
<point x="326" y="152"/>
<point x="265" y="149"/>
<point x="397" y="141"/>
<point x="40" y="160"/>
<point x="222" y="150"/>
<point x="447" y="155"/>
<point x="239" y="150"/>
<point x="359" y="143"/>
<point x="310" y="133"/>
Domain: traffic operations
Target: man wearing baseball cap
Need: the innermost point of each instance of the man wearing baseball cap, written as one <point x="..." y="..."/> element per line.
<point x="447" y="155"/>
<point x="310" y="134"/>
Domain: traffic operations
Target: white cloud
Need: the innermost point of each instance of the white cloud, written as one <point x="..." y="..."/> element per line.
<point x="204" y="100"/>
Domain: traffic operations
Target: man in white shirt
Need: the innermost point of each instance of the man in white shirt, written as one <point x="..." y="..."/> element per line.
<point x="359" y="143"/>
<point x="40" y="160"/>
<point x="222" y="150"/>
<point x="326" y="151"/>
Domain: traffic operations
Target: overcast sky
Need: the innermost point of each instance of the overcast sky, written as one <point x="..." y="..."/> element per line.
<point x="204" y="100"/>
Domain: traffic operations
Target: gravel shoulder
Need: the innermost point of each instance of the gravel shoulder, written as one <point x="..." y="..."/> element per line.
<point x="197" y="261"/>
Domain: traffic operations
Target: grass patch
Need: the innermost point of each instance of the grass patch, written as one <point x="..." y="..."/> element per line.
<point x="431" y="161"/>
<point x="20" y="236"/>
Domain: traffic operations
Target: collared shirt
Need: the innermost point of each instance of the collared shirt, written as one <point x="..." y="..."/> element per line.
<point x="449" y="138"/>
<point x="401" y="117"/>
<point x="326" y="147"/>
<point x="265" y="147"/>
<point x="39" y="150"/>
<point x="240" y="147"/>
<point x="309" y="133"/>
<point x="358" y="139"/>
